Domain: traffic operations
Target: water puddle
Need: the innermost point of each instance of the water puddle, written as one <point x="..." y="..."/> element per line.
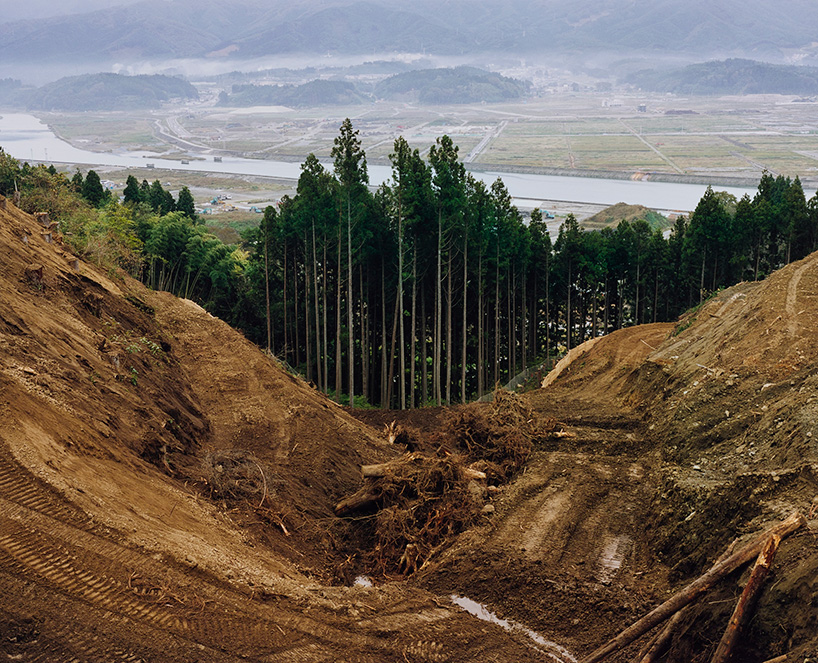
<point x="551" y="649"/>
<point x="362" y="581"/>
<point x="613" y="554"/>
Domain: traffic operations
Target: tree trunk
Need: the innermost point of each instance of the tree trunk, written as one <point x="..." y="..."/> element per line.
<point x="636" y="303"/>
<point x="338" y="366"/>
<point x="449" y="328"/>
<point x="746" y="603"/>
<point x="286" y="325"/>
<point x="424" y="365"/>
<point x="481" y="359"/>
<point x="548" y="309"/>
<point x="568" y="310"/>
<point x="399" y="309"/>
<point x="438" y="313"/>
<point x="413" y="340"/>
<point x="307" y="346"/>
<point x="464" y="319"/>
<point x="391" y="375"/>
<point x="326" y="326"/>
<point x="696" y="588"/>
<point x="317" y="312"/>
<point x="384" y="383"/>
<point x="351" y="330"/>
<point x="364" y="315"/>
<point x="267" y="292"/>
<point x="496" y="361"/>
<point x="296" y="316"/>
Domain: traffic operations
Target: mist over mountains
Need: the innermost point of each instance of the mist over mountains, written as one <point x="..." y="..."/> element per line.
<point x="248" y="29"/>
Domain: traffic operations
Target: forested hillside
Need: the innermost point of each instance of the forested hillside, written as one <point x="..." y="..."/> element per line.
<point x="735" y="76"/>
<point x="314" y="93"/>
<point x="109" y="92"/>
<point x="432" y="288"/>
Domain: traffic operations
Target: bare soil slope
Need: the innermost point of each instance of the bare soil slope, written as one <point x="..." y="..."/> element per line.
<point x="688" y="436"/>
<point x="150" y="462"/>
<point x="167" y="491"/>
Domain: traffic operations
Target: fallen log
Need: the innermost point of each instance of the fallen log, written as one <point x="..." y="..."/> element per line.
<point x="359" y="500"/>
<point x="747" y="600"/>
<point x="778" y="659"/>
<point x="659" y="614"/>
<point x="662" y="641"/>
<point x="382" y="469"/>
<point x="657" y="646"/>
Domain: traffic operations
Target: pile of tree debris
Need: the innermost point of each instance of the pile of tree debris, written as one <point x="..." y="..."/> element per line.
<point x="414" y="506"/>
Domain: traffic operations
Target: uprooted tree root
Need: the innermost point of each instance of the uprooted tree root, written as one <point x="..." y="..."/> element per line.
<point x="238" y="479"/>
<point x="426" y="501"/>
<point x="417" y="504"/>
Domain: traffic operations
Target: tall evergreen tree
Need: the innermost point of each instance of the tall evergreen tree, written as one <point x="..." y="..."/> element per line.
<point x="93" y="191"/>
<point x="185" y="203"/>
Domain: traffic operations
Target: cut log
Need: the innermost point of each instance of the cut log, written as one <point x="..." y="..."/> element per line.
<point x="662" y="641"/>
<point x="657" y="646"/>
<point x="382" y="469"/>
<point x="747" y="601"/>
<point x="359" y="500"/>
<point x="696" y="588"/>
<point x="375" y="471"/>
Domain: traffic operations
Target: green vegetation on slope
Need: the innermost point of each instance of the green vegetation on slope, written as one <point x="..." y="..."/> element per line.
<point x="734" y="76"/>
<point x="109" y="92"/>
<point x="314" y="93"/>
<point x="612" y="216"/>
<point x="460" y="85"/>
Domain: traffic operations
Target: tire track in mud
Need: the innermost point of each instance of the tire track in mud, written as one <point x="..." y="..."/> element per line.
<point x="94" y="571"/>
<point x="64" y="563"/>
<point x="20" y="486"/>
<point x="792" y="299"/>
<point x="544" y="526"/>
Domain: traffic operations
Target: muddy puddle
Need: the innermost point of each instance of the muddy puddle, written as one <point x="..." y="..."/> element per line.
<point x="551" y="649"/>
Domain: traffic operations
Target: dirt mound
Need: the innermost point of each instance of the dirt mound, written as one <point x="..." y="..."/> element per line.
<point x="166" y="489"/>
<point x="612" y="216"/>
<point x="729" y="408"/>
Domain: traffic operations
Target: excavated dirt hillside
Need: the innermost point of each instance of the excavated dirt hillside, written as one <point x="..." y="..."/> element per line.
<point x="166" y="491"/>
<point x="687" y="437"/>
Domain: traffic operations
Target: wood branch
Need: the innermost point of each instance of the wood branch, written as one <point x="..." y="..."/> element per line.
<point x="747" y="600"/>
<point x="382" y="469"/>
<point x="696" y="588"/>
<point x="359" y="500"/>
<point x="662" y="641"/>
<point x="778" y="659"/>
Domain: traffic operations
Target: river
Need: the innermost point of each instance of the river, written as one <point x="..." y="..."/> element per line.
<point x="25" y="137"/>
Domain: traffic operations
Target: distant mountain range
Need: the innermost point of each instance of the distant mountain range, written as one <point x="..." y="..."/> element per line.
<point x="165" y="29"/>
<point x="733" y="76"/>
<point x="459" y="85"/>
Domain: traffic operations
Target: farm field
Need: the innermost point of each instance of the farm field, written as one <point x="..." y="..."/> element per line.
<point x="711" y="138"/>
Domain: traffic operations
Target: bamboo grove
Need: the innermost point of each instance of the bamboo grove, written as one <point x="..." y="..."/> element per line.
<point x="433" y="287"/>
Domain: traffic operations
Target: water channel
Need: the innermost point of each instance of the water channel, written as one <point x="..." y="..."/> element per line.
<point x="26" y="138"/>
